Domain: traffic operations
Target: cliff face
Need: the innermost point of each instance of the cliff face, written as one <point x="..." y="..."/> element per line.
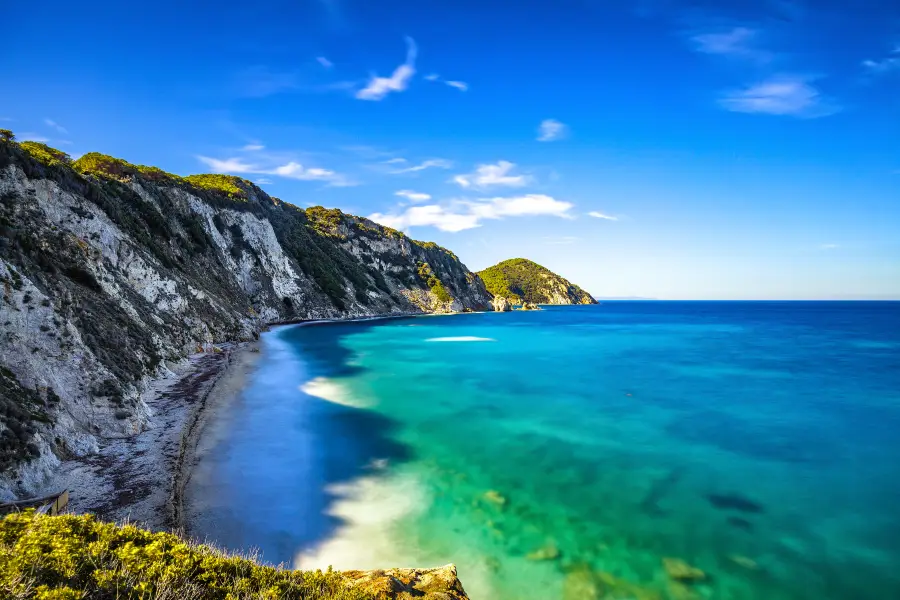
<point x="109" y="270"/>
<point x="522" y="281"/>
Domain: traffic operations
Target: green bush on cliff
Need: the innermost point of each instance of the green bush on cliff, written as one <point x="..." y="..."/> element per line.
<point x="6" y="135"/>
<point x="432" y="281"/>
<point x="74" y="557"/>
<point x="45" y="154"/>
<point x="230" y="185"/>
<point x="324" y="220"/>
<point x="94" y="163"/>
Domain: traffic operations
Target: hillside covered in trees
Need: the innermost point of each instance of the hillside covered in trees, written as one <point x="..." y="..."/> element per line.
<point x="520" y="280"/>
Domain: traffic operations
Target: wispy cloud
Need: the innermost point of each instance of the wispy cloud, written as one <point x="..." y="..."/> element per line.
<point x="737" y="42"/>
<point x="379" y="87"/>
<point x="413" y="196"/>
<point x="463" y="214"/>
<point x="289" y="170"/>
<point x="253" y="147"/>
<point x="551" y="130"/>
<point x="828" y="246"/>
<point x="499" y="174"/>
<point x="460" y="85"/>
<point x="437" y="163"/>
<point x="264" y="181"/>
<point x="600" y="215"/>
<point x="8" y="119"/>
<point x="30" y="136"/>
<point x="888" y="64"/>
<point x="55" y="125"/>
<point x="787" y="95"/>
<point x="262" y="81"/>
<point x="324" y="62"/>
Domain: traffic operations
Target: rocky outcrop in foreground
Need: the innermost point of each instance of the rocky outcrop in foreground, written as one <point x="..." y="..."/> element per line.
<point x="92" y="559"/>
<point x="110" y="272"/>
<point x="522" y="281"/>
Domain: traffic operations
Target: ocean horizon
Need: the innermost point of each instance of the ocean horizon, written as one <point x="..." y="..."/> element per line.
<point x="568" y="452"/>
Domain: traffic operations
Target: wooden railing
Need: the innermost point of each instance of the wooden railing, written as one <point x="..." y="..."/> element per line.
<point x="48" y="505"/>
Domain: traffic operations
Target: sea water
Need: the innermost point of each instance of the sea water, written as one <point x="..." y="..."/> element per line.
<point x="566" y="453"/>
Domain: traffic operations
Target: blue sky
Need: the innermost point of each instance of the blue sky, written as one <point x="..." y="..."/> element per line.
<point x="660" y="148"/>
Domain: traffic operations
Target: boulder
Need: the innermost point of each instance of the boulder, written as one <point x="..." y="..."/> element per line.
<point x="501" y="304"/>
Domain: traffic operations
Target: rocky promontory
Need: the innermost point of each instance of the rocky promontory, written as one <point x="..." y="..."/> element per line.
<point x="524" y="282"/>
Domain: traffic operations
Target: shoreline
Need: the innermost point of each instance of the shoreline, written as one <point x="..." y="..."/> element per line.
<point x="142" y="478"/>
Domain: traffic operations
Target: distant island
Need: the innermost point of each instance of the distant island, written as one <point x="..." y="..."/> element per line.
<point x="521" y="281"/>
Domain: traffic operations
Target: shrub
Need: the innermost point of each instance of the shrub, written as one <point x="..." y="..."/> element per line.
<point x="325" y="220"/>
<point x="45" y="154"/>
<point x="79" y="557"/>
<point x="7" y="136"/>
<point x="432" y="281"/>
<point x="231" y="186"/>
<point x="94" y="163"/>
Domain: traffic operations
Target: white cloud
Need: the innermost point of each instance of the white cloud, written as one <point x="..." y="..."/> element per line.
<point x="828" y="246"/>
<point x="438" y="163"/>
<point x="468" y="214"/>
<point x="431" y="215"/>
<point x="432" y="77"/>
<point x="379" y="87"/>
<point x="324" y="62"/>
<point x="736" y="42"/>
<point x="782" y="95"/>
<point x="55" y="125"/>
<point x="413" y="196"/>
<point x="253" y="147"/>
<point x="228" y="165"/>
<point x="600" y="215"/>
<point x="263" y="181"/>
<point x="395" y="161"/>
<point x="551" y="130"/>
<point x="289" y="170"/>
<point x="10" y="119"/>
<point x="885" y="65"/>
<point x="460" y="85"/>
<point x="492" y="175"/>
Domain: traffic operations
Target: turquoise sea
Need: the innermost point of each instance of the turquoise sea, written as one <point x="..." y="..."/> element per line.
<point x="563" y="454"/>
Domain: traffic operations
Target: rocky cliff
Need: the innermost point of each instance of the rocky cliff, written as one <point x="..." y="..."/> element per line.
<point x="110" y="270"/>
<point x="522" y="281"/>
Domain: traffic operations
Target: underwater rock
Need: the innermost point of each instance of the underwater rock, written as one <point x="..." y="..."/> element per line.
<point x="682" y="591"/>
<point x="740" y="523"/>
<point x="734" y="502"/>
<point x="743" y="561"/>
<point x="584" y="583"/>
<point x="495" y="497"/>
<point x="548" y="552"/>
<point x="679" y="570"/>
<point x="581" y="584"/>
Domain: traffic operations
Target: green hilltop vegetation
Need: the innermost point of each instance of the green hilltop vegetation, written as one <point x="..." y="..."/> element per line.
<point x="520" y="280"/>
<point x="73" y="557"/>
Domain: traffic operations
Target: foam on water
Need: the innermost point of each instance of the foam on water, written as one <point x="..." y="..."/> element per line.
<point x="461" y="338"/>
<point x="330" y="390"/>
<point x="372" y="510"/>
